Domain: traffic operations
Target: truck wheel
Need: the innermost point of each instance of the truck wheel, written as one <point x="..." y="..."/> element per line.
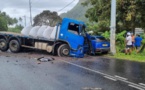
<point x="63" y="50"/>
<point x="14" y="46"/>
<point x="3" y="45"/>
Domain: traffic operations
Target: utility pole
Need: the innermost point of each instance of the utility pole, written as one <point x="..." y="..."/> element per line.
<point x="113" y="27"/>
<point x="25" y="19"/>
<point x="30" y="12"/>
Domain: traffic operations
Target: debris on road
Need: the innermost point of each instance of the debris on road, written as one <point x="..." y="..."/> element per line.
<point x="7" y="56"/>
<point x="42" y="59"/>
<point x="90" y="88"/>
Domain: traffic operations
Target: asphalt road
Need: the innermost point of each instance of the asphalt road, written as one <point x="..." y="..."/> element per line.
<point x="23" y="72"/>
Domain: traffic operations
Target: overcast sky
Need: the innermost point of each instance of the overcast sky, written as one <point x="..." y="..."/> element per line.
<point x="19" y="8"/>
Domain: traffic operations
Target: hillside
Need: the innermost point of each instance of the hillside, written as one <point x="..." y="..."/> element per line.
<point x="78" y="12"/>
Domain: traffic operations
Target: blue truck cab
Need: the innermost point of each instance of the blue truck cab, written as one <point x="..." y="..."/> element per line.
<point x="73" y="32"/>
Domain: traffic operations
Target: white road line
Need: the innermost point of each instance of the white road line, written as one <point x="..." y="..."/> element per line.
<point x="86" y="68"/>
<point x="113" y="79"/>
<point x="134" y="84"/>
<point x="142" y="84"/>
<point x="135" y="87"/>
<point x="120" y="78"/>
<point x="107" y="75"/>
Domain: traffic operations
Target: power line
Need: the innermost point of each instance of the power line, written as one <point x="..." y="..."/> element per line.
<point x="66" y="6"/>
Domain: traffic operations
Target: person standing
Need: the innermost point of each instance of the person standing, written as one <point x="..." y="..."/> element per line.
<point x="138" y="40"/>
<point x="133" y="41"/>
<point x="128" y="42"/>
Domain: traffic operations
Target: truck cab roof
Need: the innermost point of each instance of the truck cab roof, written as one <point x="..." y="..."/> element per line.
<point x="72" y="20"/>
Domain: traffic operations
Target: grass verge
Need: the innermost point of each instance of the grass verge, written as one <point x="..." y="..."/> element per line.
<point x="139" y="57"/>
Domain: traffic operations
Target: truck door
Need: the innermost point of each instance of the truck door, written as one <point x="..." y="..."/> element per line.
<point x="72" y="35"/>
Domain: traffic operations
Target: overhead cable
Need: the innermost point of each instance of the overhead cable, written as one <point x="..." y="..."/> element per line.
<point x="66" y="6"/>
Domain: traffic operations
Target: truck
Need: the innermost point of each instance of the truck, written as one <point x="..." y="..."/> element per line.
<point x="69" y="38"/>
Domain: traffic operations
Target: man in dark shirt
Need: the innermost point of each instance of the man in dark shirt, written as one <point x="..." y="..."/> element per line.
<point x="138" y="40"/>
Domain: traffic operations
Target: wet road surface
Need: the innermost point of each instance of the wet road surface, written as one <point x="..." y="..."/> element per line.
<point x="133" y="71"/>
<point x="22" y="72"/>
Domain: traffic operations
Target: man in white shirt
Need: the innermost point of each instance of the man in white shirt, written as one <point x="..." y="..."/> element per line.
<point x="128" y="43"/>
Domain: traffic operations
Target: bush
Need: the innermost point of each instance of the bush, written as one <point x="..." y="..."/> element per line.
<point x="3" y="24"/>
<point x="120" y="37"/>
<point x="17" y="29"/>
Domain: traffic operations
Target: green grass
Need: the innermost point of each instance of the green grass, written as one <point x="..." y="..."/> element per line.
<point x="14" y="30"/>
<point x="139" y="57"/>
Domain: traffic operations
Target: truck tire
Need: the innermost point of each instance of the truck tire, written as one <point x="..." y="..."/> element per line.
<point x="14" y="46"/>
<point x="63" y="50"/>
<point x="3" y="45"/>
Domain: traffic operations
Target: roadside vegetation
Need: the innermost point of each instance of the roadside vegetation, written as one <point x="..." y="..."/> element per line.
<point x="6" y="21"/>
<point x="120" y="48"/>
<point x="16" y="29"/>
<point x="10" y="24"/>
<point x="140" y="57"/>
<point x="130" y="15"/>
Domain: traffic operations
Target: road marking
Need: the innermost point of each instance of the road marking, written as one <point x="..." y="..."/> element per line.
<point x="142" y="84"/>
<point x="134" y="84"/>
<point x="135" y="87"/>
<point x="114" y="78"/>
<point x="85" y="68"/>
<point x="120" y="78"/>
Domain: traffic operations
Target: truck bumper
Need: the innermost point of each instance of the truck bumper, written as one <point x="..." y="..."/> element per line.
<point x="77" y="53"/>
<point x="102" y="50"/>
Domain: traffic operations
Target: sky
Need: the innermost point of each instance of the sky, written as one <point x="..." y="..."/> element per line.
<point x="20" y="8"/>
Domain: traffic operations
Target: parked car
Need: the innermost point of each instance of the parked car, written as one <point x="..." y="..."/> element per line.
<point x="100" y="44"/>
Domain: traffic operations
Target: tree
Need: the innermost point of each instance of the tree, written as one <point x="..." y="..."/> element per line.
<point x="3" y="24"/>
<point x="20" y="19"/>
<point x="130" y="13"/>
<point x="8" y="19"/>
<point x="97" y="13"/>
<point x="47" y="18"/>
<point x="19" y="27"/>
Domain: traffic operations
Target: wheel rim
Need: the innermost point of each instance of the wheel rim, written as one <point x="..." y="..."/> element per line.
<point x="2" y="44"/>
<point x="65" y="52"/>
<point x="14" y="46"/>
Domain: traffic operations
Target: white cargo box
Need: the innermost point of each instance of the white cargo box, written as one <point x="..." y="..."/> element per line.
<point x="40" y="31"/>
<point x="53" y="34"/>
<point x="33" y="31"/>
<point x="47" y="32"/>
<point x="25" y="31"/>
